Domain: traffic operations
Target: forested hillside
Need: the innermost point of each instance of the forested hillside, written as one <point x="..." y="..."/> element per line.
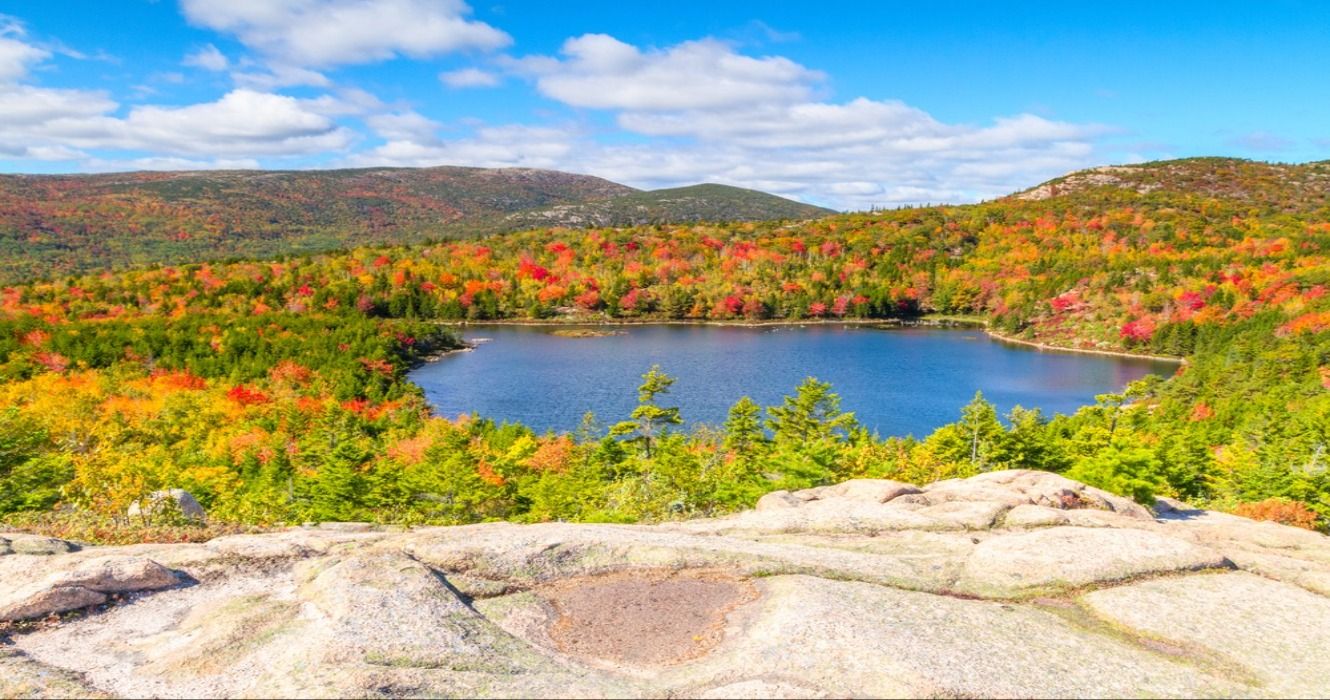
<point x="274" y="390"/>
<point x="68" y="224"/>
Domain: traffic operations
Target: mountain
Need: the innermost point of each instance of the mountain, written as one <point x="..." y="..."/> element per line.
<point x="53" y="225"/>
<point x="707" y="202"/>
<point x="1278" y="186"/>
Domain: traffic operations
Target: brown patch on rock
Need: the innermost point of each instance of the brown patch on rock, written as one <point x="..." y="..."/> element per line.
<point x="645" y="617"/>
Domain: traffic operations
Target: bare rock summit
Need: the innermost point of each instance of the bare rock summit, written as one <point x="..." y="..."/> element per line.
<point x="1008" y="584"/>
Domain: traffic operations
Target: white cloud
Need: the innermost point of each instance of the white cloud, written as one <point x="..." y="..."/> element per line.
<point x="961" y="163"/>
<point x="344" y="102"/>
<point x="702" y="111"/>
<point x="100" y="165"/>
<point x="208" y="58"/>
<point x="16" y="55"/>
<point x="698" y="111"/>
<point x="490" y="147"/>
<point x="404" y="126"/>
<point x="242" y="122"/>
<point x="280" y="76"/>
<point x="25" y="106"/>
<point x="324" y="33"/>
<point x="601" y="72"/>
<point x="469" y="77"/>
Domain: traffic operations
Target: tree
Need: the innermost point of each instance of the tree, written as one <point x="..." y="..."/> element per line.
<point x="649" y="420"/>
<point x="983" y="431"/>
<point x="813" y="413"/>
<point x="743" y="428"/>
<point x="1134" y="472"/>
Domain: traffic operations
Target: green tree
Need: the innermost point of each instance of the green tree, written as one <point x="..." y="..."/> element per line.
<point x="982" y="430"/>
<point x="743" y="428"/>
<point x="812" y="414"/>
<point x="649" y="420"/>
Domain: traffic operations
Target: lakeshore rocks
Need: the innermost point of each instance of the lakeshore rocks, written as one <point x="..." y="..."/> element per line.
<point x="1005" y="584"/>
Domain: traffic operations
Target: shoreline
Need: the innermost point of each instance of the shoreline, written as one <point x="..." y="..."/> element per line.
<point x="1003" y="338"/>
<point x="436" y="356"/>
<point x="940" y="322"/>
<point x="884" y="323"/>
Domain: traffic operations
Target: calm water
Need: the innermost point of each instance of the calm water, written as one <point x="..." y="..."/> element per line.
<point x="906" y="381"/>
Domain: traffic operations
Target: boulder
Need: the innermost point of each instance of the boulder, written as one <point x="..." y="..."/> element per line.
<point x="1047" y="561"/>
<point x="1056" y="491"/>
<point x="169" y="500"/>
<point x="82" y="584"/>
<point x="20" y="543"/>
<point x="870" y="490"/>
<point x="777" y="500"/>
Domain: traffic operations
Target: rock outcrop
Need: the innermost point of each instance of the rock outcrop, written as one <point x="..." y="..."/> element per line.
<point x="1006" y="584"/>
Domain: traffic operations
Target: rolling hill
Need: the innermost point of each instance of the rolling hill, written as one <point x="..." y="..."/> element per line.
<point x="1277" y="186"/>
<point x="68" y="224"/>
<point x="706" y="202"/>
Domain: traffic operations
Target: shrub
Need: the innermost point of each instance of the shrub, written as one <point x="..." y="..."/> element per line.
<point x="1279" y="510"/>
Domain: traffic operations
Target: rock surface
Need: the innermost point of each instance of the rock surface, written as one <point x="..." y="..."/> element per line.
<point x="1007" y="584"/>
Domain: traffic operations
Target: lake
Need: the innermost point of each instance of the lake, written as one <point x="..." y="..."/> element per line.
<point x="897" y="381"/>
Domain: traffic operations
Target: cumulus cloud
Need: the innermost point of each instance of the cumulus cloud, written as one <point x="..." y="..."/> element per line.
<point x="509" y="146"/>
<point x="208" y="58"/>
<point x="242" y="123"/>
<point x="469" y="77"/>
<point x="404" y="126"/>
<point x="964" y="163"/>
<point x="279" y="76"/>
<point x="698" y="111"/>
<point x="153" y="163"/>
<point x="16" y="55"/>
<point x="324" y="33"/>
<point x="702" y="111"/>
<point x="599" y="71"/>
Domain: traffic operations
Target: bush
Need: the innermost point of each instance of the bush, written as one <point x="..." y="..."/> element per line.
<point x="1279" y="510"/>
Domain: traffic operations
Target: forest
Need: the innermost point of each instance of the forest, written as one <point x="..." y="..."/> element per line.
<point x="275" y="390"/>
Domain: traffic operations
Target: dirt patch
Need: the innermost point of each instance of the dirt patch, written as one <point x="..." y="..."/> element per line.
<point x="645" y="618"/>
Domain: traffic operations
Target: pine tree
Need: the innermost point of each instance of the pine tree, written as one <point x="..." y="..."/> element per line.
<point x="650" y="420"/>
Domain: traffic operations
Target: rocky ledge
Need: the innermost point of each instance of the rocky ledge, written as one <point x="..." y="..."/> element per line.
<point x="1010" y="583"/>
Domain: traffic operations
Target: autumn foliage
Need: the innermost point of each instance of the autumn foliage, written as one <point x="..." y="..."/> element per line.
<point x="275" y="390"/>
<point x="1279" y="510"/>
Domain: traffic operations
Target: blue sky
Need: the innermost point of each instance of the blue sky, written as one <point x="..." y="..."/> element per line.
<point x="840" y="103"/>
